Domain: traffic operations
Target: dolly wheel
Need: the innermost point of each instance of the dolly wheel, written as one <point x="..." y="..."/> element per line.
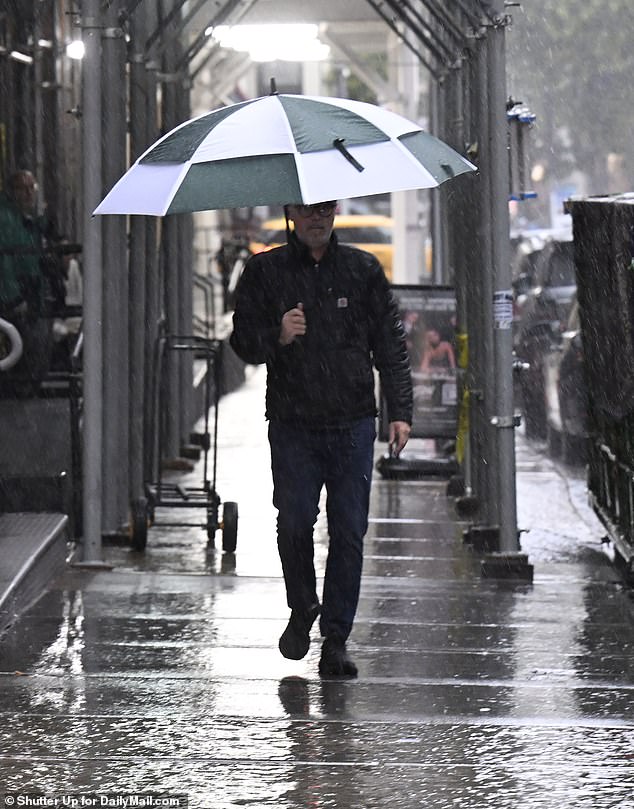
<point x="212" y="521"/>
<point x="229" y="527"/>
<point x="139" y="523"/>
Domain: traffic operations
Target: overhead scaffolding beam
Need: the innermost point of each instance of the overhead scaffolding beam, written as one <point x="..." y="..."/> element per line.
<point x="429" y="32"/>
<point x="383" y="90"/>
<point x="165" y="24"/>
<point x="232" y="69"/>
<point x="132" y="6"/>
<point x="443" y="18"/>
<point x="241" y="6"/>
<point x="400" y="8"/>
<point x="414" y="22"/>
<point x="377" y="6"/>
<point x="161" y="35"/>
<point x="214" y="50"/>
<point x="473" y="11"/>
<point x="193" y="72"/>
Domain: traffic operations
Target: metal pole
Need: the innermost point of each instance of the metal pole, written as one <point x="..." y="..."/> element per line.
<point x="185" y="280"/>
<point x="137" y="314"/>
<point x="408" y="264"/>
<point x="502" y="416"/>
<point x="38" y="101"/>
<point x="480" y="375"/>
<point x="440" y="194"/>
<point x="459" y="226"/>
<point x="454" y="135"/>
<point x="115" y="262"/>
<point x="449" y="111"/>
<point x="471" y="279"/>
<point x="171" y="292"/>
<point x="152" y="272"/>
<point x="508" y="562"/>
<point x="54" y="191"/>
<point x="436" y="215"/>
<point x="91" y="176"/>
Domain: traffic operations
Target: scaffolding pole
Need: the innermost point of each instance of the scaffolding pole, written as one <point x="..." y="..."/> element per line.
<point x="507" y="561"/>
<point x="93" y="282"/>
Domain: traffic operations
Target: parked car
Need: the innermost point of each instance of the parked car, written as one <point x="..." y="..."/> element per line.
<point x="526" y="247"/>
<point x="542" y="308"/>
<point x="371" y="232"/>
<point x="566" y="393"/>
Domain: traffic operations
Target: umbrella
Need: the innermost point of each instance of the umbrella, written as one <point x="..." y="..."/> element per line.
<point x="280" y="149"/>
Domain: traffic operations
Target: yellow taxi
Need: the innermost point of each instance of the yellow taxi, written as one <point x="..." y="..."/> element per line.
<point x="371" y="232"/>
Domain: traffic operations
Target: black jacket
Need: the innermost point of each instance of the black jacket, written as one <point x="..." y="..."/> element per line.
<point x="325" y="377"/>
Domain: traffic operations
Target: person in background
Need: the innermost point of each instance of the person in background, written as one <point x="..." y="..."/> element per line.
<point x="321" y="315"/>
<point x="24" y="288"/>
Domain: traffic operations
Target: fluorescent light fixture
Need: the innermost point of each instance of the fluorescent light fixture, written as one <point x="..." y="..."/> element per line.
<point x="270" y="42"/>
<point x="76" y="49"/>
<point x="45" y="43"/>
<point x="18" y="56"/>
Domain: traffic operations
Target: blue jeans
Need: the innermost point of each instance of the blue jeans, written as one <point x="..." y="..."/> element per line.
<point x="303" y="461"/>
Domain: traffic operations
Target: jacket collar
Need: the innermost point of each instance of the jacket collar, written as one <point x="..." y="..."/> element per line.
<point x="303" y="252"/>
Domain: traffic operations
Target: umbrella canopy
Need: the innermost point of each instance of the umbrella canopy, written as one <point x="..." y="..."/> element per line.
<point x="281" y="149"/>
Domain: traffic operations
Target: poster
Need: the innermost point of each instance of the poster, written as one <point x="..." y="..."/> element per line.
<point x="429" y="319"/>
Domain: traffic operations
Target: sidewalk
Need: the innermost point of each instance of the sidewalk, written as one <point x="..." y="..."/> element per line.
<point x="163" y="675"/>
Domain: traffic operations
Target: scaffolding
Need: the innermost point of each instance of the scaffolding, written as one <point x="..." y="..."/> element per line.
<point x="140" y="61"/>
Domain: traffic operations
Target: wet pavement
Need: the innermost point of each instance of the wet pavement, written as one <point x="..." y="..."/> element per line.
<point x="163" y="674"/>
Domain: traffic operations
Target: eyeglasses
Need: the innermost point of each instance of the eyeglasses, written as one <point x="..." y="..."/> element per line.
<point x="323" y="209"/>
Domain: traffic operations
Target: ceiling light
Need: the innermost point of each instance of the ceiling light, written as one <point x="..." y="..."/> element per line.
<point x="76" y="49"/>
<point x="269" y="43"/>
<point x="21" y="57"/>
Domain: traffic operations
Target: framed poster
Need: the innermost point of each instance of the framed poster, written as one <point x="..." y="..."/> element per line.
<point x="428" y="314"/>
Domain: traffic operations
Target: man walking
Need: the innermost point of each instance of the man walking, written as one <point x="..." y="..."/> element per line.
<point x="321" y="316"/>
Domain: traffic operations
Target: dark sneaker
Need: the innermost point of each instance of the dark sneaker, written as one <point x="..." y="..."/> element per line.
<point x="295" y="640"/>
<point x="334" y="660"/>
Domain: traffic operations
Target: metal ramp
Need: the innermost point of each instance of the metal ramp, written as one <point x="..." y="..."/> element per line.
<point x="33" y="553"/>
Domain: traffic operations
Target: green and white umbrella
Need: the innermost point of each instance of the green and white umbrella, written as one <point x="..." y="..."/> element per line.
<point x="281" y="149"/>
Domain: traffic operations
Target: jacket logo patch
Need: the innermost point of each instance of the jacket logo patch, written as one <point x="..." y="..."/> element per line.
<point x="342" y="303"/>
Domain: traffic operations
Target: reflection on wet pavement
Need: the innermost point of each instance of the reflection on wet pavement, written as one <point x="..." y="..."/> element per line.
<point x="164" y="675"/>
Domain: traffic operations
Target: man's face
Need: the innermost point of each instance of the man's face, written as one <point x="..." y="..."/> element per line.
<point x="23" y="191"/>
<point x="313" y="224"/>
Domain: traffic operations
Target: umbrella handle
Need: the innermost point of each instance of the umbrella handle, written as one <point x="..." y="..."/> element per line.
<point x="338" y="144"/>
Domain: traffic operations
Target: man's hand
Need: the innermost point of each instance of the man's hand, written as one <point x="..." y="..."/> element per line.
<point x="293" y="325"/>
<point x="398" y="436"/>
